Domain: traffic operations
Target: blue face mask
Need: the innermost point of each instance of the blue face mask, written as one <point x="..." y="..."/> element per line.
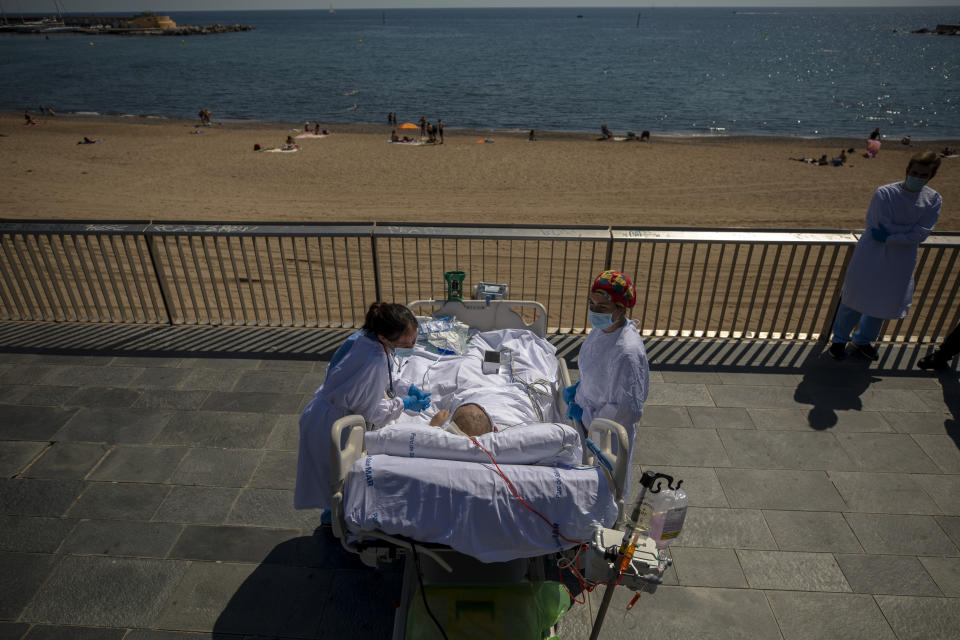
<point x="401" y="352"/>
<point x="913" y="183"/>
<point x="600" y="320"/>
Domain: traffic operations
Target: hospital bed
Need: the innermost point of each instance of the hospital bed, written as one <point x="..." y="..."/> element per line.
<point x="406" y="520"/>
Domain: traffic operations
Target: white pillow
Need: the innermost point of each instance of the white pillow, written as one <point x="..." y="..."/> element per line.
<point x="541" y="443"/>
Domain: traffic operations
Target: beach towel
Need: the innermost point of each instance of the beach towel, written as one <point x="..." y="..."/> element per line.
<point x="409" y="143"/>
<point x="281" y="150"/>
<point x="312" y="135"/>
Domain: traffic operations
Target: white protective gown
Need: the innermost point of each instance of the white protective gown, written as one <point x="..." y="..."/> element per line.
<point x="879" y="279"/>
<point x="614" y="378"/>
<point x="356" y="383"/>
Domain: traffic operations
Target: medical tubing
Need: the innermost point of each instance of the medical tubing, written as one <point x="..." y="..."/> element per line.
<point x="516" y="493"/>
<point x="576" y="573"/>
<point x="423" y="592"/>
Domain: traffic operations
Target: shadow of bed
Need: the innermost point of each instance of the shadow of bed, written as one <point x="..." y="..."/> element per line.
<point x="310" y="587"/>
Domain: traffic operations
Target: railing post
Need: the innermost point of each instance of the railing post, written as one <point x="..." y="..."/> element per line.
<point x="827" y="329"/>
<point x="161" y="283"/>
<point x="609" y="257"/>
<point x="376" y="262"/>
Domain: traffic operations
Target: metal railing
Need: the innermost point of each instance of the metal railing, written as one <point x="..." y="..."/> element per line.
<point x="690" y="282"/>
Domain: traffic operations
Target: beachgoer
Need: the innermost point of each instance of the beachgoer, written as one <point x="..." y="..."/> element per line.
<point x="28" y="119"/>
<point x="290" y="144"/>
<point x="393" y="136"/>
<point x="533" y="136"/>
<point x="840" y="160"/>
<point x="423" y="126"/>
<point x="644" y="136"/>
<point x="905" y="141"/>
<point x="878" y="283"/>
<point x="875" y="134"/>
<point x="605" y="131"/>
<point x="440" y="130"/>
<point x="823" y="160"/>
<point x="431" y="132"/>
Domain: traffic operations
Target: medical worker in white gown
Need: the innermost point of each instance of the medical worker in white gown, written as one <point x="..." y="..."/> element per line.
<point x="614" y="372"/>
<point x="879" y="280"/>
<point x="361" y="379"/>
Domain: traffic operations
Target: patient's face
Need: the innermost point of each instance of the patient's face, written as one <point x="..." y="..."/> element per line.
<point x="472" y="420"/>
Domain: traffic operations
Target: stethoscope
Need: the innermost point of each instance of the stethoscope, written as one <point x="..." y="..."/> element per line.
<point x="390" y="392"/>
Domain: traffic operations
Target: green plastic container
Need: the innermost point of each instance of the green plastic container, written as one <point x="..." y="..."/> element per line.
<point x="454" y="281"/>
<point x="524" y="611"/>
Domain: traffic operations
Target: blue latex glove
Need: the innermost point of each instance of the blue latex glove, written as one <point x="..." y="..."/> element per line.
<point x="569" y="393"/>
<point x="575" y="411"/>
<point x="413" y="403"/>
<point x="417" y="393"/>
<point x="881" y="234"/>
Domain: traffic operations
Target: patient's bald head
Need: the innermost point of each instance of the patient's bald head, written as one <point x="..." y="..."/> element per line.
<point x="472" y="420"/>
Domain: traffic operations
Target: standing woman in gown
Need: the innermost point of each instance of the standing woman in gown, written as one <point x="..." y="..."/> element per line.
<point x="614" y="372"/>
<point x="361" y="379"/>
<point x="878" y="283"/>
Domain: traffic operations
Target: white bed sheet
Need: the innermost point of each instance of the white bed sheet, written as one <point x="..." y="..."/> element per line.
<point x="453" y="380"/>
<point x="542" y="443"/>
<point x="467" y="505"/>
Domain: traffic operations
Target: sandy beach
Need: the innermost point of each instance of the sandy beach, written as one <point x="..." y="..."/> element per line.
<point x="157" y="169"/>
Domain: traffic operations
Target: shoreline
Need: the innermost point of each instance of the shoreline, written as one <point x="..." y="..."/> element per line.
<point x="373" y="127"/>
<point x="155" y="169"/>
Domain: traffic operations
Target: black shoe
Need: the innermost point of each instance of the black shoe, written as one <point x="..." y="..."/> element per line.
<point x="931" y="361"/>
<point x="838" y="350"/>
<point x="868" y="350"/>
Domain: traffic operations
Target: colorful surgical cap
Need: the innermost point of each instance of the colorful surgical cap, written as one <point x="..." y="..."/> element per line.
<point x="617" y="286"/>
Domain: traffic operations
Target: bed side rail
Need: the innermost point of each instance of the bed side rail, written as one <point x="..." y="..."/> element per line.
<point x="347" y="446"/>
<point x="486" y="316"/>
<point x="603" y="433"/>
<point x="563" y="381"/>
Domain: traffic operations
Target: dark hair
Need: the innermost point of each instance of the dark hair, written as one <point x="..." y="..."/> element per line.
<point x="388" y="319"/>
<point x="926" y="159"/>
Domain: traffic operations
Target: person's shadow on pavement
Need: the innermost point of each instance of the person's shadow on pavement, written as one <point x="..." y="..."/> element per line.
<point x="950" y="381"/>
<point x="830" y="386"/>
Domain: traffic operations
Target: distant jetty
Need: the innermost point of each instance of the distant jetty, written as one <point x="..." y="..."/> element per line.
<point x="942" y="30"/>
<point x="144" y="24"/>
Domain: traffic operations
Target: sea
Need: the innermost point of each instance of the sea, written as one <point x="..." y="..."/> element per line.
<point x="806" y="72"/>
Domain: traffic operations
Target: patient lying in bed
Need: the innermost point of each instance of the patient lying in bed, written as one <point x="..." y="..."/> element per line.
<point x="414" y="482"/>
<point x="523" y="394"/>
<point x="467" y="420"/>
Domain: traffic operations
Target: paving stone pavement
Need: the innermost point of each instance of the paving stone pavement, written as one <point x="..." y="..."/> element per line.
<point x="146" y="494"/>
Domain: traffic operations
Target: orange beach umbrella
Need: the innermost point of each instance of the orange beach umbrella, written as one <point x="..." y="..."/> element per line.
<point x="409" y="125"/>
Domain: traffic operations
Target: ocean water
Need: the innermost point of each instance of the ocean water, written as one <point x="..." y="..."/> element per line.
<point x="794" y="72"/>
